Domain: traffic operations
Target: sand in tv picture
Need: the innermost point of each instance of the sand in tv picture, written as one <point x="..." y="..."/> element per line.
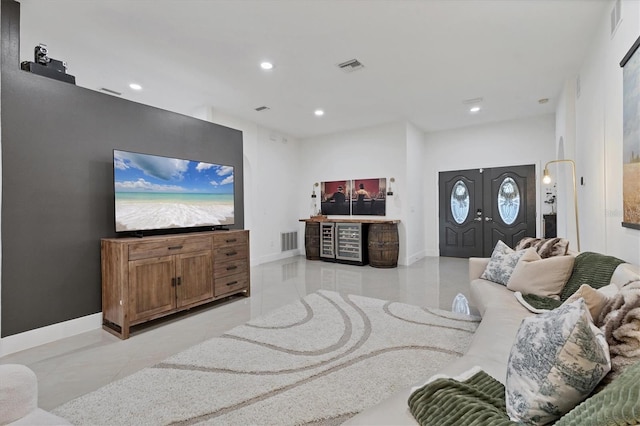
<point x="154" y="192"/>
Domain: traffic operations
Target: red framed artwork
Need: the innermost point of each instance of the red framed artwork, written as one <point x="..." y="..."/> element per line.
<point x="368" y="197"/>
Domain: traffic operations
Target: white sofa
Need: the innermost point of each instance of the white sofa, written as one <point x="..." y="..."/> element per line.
<point x="19" y="398"/>
<point x="501" y="317"/>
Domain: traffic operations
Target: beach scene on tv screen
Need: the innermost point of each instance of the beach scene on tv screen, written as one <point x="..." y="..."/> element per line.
<point x="153" y="192"/>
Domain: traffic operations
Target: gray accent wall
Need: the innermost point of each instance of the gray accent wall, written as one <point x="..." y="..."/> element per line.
<point x="57" y="182"/>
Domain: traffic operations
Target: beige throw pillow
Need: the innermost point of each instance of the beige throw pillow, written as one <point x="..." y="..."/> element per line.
<point x="594" y="299"/>
<point x="542" y="277"/>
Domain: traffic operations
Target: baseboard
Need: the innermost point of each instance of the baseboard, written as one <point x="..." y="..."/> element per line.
<point x="276" y="256"/>
<point x="408" y="261"/>
<point x="48" y="334"/>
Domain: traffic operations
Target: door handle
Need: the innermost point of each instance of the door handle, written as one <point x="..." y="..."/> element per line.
<point x="488" y="219"/>
<point x="477" y="219"/>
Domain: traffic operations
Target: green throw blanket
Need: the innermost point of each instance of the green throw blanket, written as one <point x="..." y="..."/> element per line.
<point x="480" y="401"/>
<point x="590" y="268"/>
<point x="476" y="401"/>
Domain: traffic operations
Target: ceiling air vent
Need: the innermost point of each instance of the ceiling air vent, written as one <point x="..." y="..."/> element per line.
<point x="111" y="92"/>
<point x="350" y="66"/>
<point x="262" y="108"/>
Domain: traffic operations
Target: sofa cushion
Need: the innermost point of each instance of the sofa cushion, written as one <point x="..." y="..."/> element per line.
<point x="503" y="261"/>
<point x="485" y="293"/>
<point x="545" y="247"/>
<point x="542" y="277"/>
<point x="594" y="299"/>
<point x="558" y="358"/>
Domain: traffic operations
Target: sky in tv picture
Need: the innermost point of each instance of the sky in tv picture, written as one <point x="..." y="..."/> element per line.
<point x="136" y="172"/>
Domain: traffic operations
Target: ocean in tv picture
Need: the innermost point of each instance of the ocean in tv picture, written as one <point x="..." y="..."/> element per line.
<point x="143" y="210"/>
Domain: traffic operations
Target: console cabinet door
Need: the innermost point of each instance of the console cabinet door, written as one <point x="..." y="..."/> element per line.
<point x="194" y="277"/>
<point x="151" y="287"/>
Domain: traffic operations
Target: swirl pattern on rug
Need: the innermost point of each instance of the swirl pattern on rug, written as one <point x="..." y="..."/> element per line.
<point x="320" y="360"/>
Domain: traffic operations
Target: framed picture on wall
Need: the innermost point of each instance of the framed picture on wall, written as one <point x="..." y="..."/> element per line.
<point x="631" y="137"/>
<point x="335" y="196"/>
<point x="368" y="197"/>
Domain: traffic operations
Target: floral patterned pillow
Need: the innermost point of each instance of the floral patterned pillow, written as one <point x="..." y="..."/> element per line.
<point x="557" y="359"/>
<point x="503" y="261"/>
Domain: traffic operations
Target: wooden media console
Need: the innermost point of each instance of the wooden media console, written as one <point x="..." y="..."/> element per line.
<point x="151" y="277"/>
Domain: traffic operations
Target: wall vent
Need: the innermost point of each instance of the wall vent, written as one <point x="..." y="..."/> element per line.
<point x="262" y="108"/>
<point x="351" y="65"/>
<point x="288" y="241"/>
<point x="111" y="92"/>
<point x="616" y="16"/>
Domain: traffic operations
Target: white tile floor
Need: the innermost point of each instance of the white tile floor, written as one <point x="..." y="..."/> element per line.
<point x="77" y="365"/>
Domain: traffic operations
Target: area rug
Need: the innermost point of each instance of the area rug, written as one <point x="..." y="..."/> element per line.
<point x="320" y="360"/>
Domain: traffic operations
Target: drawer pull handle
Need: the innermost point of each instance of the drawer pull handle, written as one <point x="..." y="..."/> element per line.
<point x="231" y="268"/>
<point x="231" y="253"/>
<point x="179" y="281"/>
<point x="232" y="283"/>
<point x="175" y="247"/>
<point x="232" y="240"/>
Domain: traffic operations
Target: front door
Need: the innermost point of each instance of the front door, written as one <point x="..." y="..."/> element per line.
<point x="461" y="220"/>
<point x="481" y="206"/>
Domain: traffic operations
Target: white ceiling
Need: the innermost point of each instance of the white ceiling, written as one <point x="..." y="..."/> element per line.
<point x="422" y="58"/>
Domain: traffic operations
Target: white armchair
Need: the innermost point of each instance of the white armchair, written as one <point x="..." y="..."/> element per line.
<point x="19" y="398"/>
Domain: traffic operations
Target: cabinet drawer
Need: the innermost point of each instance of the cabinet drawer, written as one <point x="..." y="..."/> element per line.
<point x="231" y="283"/>
<point x="230" y="239"/>
<point x="148" y="249"/>
<point x="227" y="254"/>
<point x="222" y="269"/>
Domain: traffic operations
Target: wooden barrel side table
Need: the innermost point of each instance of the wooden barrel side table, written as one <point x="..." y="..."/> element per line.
<point x="383" y="245"/>
<point x="312" y="240"/>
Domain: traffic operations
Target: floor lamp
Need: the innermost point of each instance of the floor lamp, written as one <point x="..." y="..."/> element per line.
<point x="547" y="180"/>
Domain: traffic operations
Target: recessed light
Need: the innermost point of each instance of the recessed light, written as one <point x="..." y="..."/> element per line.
<point x="474" y="109"/>
<point x="135" y="86"/>
<point x="319" y="112"/>
<point x="266" y="65"/>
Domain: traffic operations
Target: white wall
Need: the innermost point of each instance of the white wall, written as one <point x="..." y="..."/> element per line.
<point x="374" y="152"/>
<point x="598" y="137"/>
<point x="566" y="149"/>
<point x="272" y="187"/>
<point x="509" y="143"/>
<point x="415" y="201"/>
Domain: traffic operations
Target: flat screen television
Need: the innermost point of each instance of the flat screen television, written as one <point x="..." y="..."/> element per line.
<point x="154" y="193"/>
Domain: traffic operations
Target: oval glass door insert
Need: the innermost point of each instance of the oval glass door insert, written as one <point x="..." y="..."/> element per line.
<point x="460" y="202"/>
<point x="508" y="200"/>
